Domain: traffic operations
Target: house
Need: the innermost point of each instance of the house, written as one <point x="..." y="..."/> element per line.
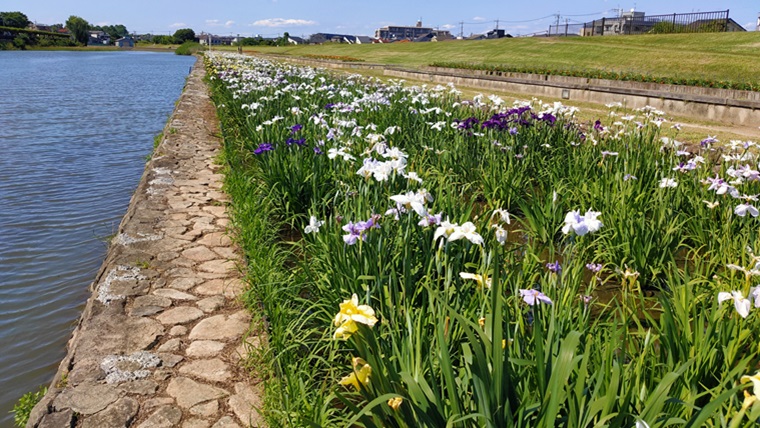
<point x="293" y="40"/>
<point x="364" y="40"/>
<point x="321" y="38"/>
<point x="98" y="38"/>
<point x="214" y="40"/>
<point x="497" y="34"/>
<point x="399" y="32"/>
<point x="125" y="42"/>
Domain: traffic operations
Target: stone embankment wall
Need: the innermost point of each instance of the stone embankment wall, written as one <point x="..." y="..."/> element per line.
<point x="722" y="105"/>
<point x="161" y="340"/>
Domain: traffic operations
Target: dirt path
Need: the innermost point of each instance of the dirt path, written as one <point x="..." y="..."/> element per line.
<point x="161" y="340"/>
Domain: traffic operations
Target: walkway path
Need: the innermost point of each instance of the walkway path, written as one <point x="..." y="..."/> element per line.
<point x="161" y="339"/>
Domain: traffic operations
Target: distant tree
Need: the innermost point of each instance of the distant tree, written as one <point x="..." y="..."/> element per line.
<point x="115" y="31"/>
<point x="162" y="40"/>
<point x="79" y="29"/>
<point x="284" y="39"/>
<point x="184" y="35"/>
<point x="13" y="19"/>
<point x="55" y="27"/>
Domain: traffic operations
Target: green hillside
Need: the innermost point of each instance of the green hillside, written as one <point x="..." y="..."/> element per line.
<point x="716" y="56"/>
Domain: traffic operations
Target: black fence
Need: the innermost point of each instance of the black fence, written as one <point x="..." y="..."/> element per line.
<point x="638" y="23"/>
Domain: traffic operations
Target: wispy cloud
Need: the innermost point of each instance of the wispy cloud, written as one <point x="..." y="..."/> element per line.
<point x="178" y="25"/>
<point x="478" y="18"/>
<point x="218" y="23"/>
<point x="448" y="26"/>
<point x="281" y="22"/>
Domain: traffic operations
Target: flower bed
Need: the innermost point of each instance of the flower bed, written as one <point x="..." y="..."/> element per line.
<point x="424" y="260"/>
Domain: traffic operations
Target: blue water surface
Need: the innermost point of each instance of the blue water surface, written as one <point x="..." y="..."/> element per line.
<point x="75" y="130"/>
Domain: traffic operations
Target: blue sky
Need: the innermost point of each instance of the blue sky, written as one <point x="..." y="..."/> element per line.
<point x="304" y="17"/>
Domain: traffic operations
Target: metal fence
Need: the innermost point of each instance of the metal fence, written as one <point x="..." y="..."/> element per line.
<point x="638" y="23"/>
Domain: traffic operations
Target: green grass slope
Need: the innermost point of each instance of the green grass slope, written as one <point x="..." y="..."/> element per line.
<point x="717" y="56"/>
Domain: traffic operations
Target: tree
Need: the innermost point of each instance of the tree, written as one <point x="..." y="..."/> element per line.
<point x="79" y="29"/>
<point x="13" y="19"/>
<point x="184" y="35"/>
<point x="284" y="40"/>
<point x="163" y="40"/>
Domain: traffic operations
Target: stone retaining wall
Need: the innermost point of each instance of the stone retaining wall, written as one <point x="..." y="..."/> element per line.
<point x="161" y="339"/>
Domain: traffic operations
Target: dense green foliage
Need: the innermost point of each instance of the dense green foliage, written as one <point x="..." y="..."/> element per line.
<point x="24" y="39"/>
<point x="114" y="31"/>
<point x="188" y="48"/>
<point x="163" y="40"/>
<point x="79" y="28"/>
<point x="184" y="35"/>
<point x="13" y="19"/>
<point x="461" y="314"/>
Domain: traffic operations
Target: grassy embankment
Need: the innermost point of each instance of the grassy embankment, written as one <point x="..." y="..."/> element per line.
<point x="717" y="56"/>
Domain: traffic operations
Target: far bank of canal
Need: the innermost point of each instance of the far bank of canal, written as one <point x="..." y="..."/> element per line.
<point x="75" y="132"/>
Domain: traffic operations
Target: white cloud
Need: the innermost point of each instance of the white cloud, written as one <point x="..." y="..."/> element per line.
<point x="178" y="25"/>
<point x="280" y="22"/>
<point x="218" y="23"/>
<point x="478" y="18"/>
<point x="448" y="26"/>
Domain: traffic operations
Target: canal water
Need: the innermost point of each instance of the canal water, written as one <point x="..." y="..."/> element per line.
<point x="75" y="130"/>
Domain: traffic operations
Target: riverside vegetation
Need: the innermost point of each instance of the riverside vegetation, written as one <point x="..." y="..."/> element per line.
<point x="424" y="260"/>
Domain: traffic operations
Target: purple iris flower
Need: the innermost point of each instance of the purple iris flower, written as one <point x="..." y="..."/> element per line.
<point x="291" y="141"/>
<point x="317" y="150"/>
<point x="555" y="267"/>
<point x="263" y="147"/>
<point x="598" y="125"/>
<point x="295" y="128"/>
<point x="594" y="267"/>
<point x="548" y="118"/>
<point x="513" y="130"/>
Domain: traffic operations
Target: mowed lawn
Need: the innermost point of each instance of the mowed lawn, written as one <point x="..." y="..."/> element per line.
<point x="717" y="56"/>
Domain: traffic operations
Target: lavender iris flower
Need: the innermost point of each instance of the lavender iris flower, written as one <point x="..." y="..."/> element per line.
<point x="531" y="297"/>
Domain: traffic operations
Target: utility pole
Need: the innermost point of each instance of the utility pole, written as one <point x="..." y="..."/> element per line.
<point x="461" y="29"/>
<point x="497" y="24"/>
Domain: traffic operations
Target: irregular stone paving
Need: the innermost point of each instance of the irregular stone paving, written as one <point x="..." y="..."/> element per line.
<point x="161" y="339"/>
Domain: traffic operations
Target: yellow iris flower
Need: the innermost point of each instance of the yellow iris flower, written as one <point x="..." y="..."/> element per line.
<point x="360" y="375"/>
<point x="351" y="312"/>
<point x="750" y="399"/>
<point x="395" y="402"/>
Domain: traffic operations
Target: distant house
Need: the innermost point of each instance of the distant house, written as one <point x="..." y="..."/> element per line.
<point x="214" y="40"/>
<point x="296" y="40"/>
<point x="322" y="38"/>
<point x="400" y="32"/>
<point x="364" y="40"/>
<point x="476" y="37"/>
<point x="433" y="36"/>
<point x="497" y="34"/>
<point x="125" y="42"/>
<point x="98" y="38"/>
